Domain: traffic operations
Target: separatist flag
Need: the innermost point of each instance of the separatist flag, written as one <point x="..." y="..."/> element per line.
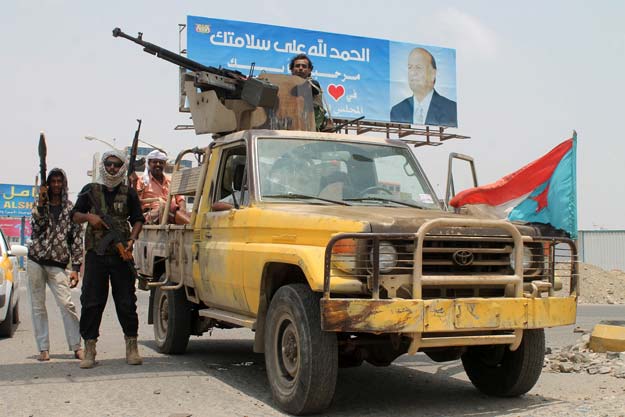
<point x="543" y="191"/>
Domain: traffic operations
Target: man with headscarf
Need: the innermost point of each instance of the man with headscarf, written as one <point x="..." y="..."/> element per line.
<point x="119" y="204"/>
<point x="153" y="190"/>
<point x="55" y="240"/>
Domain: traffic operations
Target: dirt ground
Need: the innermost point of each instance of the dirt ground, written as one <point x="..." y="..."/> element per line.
<point x="598" y="286"/>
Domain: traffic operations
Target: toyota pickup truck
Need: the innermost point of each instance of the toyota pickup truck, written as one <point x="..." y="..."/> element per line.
<point x="334" y="249"/>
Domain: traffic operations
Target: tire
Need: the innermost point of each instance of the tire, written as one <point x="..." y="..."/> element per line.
<point x="171" y="313"/>
<point x="9" y="325"/>
<point x="16" y="314"/>
<point x="497" y="371"/>
<point x="301" y="359"/>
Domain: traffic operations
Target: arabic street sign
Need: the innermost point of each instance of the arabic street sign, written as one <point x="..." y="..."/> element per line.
<point x="17" y="200"/>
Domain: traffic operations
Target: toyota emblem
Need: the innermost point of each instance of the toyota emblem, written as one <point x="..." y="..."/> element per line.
<point x="463" y="257"/>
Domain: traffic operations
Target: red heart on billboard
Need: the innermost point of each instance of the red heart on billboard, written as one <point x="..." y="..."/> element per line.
<point x="336" y="91"/>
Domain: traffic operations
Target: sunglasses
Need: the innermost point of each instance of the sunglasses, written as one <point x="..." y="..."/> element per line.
<point x="113" y="164"/>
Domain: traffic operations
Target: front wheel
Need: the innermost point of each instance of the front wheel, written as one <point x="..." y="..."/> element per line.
<point x="172" y="320"/>
<point x="301" y="359"/>
<point x="496" y="370"/>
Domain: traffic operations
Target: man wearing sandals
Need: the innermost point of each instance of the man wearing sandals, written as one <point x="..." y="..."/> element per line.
<point x="55" y="239"/>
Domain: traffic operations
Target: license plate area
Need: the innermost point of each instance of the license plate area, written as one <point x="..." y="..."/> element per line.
<point x="469" y="315"/>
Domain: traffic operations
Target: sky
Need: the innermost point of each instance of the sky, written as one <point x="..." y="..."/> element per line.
<point x="528" y="74"/>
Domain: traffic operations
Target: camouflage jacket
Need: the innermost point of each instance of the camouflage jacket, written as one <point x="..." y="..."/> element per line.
<point x="54" y="242"/>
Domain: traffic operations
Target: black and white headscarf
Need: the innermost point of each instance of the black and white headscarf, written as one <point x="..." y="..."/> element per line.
<point x="112" y="181"/>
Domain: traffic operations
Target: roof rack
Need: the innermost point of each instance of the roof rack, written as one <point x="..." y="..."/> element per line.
<point x="434" y="135"/>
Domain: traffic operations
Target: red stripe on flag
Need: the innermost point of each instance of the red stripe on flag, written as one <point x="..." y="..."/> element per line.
<point x="514" y="185"/>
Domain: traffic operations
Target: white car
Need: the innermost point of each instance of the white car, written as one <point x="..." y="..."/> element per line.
<point x="9" y="286"/>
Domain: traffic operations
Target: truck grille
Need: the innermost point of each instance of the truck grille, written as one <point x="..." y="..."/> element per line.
<point x="441" y="256"/>
<point x="451" y="257"/>
<point x="445" y="256"/>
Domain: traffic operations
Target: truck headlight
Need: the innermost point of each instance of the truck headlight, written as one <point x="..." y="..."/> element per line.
<point x="527" y="258"/>
<point x="387" y="257"/>
<point x="344" y="255"/>
<point x="533" y="260"/>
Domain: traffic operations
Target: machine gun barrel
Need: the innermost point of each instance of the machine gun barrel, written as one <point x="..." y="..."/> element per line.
<point x="170" y="56"/>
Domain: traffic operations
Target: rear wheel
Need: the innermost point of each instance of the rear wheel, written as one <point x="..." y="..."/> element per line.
<point x="495" y="370"/>
<point x="172" y="320"/>
<point x="301" y="359"/>
<point x="9" y="325"/>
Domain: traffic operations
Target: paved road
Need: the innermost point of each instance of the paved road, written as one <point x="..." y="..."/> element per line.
<point x="221" y="376"/>
<point x="587" y="316"/>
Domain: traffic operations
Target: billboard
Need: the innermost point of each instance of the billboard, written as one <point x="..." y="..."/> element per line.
<point x="379" y="79"/>
<point x="12" y="227"/>
<point x="17" y="200"/>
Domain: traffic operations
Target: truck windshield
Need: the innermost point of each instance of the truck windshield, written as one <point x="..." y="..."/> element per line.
<point x="358" y="173"/>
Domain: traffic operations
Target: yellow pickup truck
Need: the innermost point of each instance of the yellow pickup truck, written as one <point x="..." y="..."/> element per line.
<point x="334" y="249"/>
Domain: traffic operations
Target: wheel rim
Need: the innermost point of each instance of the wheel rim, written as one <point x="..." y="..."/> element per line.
<point x="163" y="316"/>
<point x="287" y="350"/>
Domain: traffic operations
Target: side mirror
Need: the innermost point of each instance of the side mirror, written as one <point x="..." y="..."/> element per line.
<point x="18" y="250"/>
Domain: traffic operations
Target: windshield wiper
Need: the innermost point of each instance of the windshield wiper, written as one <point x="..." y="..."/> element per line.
<point x="306" y="197"/>
<point x="386" y="200"/>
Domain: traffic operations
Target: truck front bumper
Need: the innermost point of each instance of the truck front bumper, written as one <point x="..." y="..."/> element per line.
<point x="434" y="308"/>
<point x="460" y="315"/>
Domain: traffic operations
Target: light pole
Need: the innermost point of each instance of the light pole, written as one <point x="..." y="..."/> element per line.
<point x="153" y="146"/>
<point x="102" y="141"/>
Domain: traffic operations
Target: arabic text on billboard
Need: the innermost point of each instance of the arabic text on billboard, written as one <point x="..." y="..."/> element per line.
<point x="16" y="200"/>
<point x="379" y="79"/>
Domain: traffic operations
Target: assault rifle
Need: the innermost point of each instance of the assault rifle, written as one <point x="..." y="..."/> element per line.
<point x="133" y="151"/>
<point x="112" y="237"/>
<point x="226" y="83"/>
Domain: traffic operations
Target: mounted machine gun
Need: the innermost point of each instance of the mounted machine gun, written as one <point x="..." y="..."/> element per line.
<point x="223" y="100"/>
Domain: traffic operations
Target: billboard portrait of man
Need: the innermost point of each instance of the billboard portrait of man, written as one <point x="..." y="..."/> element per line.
<point x="426" y="106"/>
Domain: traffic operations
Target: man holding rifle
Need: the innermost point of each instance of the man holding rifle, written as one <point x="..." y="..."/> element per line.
<point x="110" y="208"/>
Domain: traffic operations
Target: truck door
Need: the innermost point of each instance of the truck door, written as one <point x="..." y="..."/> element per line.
<point x="222" y="250"/>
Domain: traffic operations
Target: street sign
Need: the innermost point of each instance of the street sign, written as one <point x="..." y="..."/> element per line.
<point x="17" y="200"/>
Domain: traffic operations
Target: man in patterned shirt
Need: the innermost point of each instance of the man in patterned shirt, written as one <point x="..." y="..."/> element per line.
<point x="55" y="239"/>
